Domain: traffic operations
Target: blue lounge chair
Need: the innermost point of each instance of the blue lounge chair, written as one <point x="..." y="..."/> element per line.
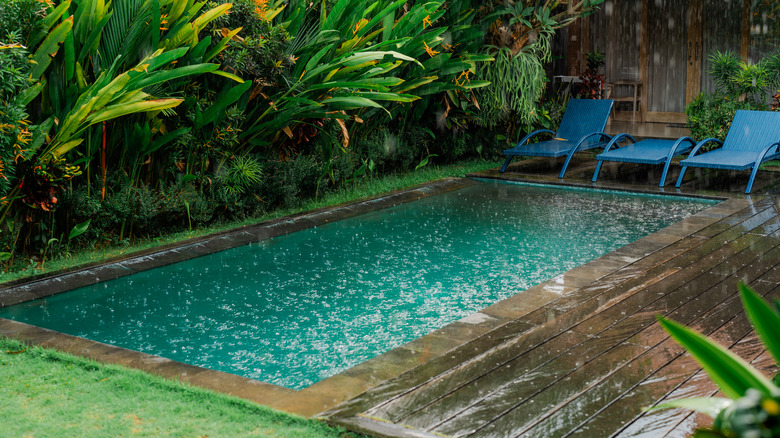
<point x="754" y="137"/>
<point x="581" y="129"/>
<point x="650" y="151"/>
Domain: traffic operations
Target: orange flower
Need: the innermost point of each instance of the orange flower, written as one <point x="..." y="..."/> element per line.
<point x="430" y="51"/>
<point x="260" y="7"/>
<point x="427" y="20"/>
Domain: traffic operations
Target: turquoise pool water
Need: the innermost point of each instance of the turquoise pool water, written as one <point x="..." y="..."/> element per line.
<point x="296" y="309"/>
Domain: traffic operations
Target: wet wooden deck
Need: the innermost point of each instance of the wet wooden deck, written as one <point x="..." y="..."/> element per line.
<point x="589" y="360"/>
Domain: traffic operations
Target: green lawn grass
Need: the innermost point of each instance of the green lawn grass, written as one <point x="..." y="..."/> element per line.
<point x="366" y="188"/>
<point x="47" y="393"/>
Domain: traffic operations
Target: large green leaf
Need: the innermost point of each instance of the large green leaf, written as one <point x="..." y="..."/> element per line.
<point x="49" y="47"/>
<point x="48" y="21"/>
<point x="79" y="229"/>
<point x="169" y="75"/>
<point x="765" y="320"/>
<point x="731" y="373"/>
<point x="710" y="406"/>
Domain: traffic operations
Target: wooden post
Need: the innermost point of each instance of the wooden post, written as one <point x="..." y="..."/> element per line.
<point x="644" y="47"/>
<point x="695" y="48"/>
<point x="574" y="54"/>
<point x="744" y="46"/>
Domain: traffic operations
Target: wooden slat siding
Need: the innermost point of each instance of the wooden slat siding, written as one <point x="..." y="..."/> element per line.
<point x="753" y="131"/>
<point x="615" y="31"/>
<point x="532" y="413"/>
<point x="725" y="306"/>
<point x="763" y="44"/>
<point x="667" y="28"/>
<point x="704" y="249"/>
<point x="721" y="32"/>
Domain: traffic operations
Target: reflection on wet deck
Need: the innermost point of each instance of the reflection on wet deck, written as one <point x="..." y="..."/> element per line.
<point x="582" y="354"/>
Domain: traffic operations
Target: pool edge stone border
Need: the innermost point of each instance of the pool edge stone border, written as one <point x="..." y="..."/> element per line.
<point x="522" y="313"/>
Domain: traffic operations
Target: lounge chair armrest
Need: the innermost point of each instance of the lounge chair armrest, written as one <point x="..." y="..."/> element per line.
<point x="766" y="151"/>
<point x="679" y="143"/>
<point x="617" y="138"/>
<point x="528" y="137"/>
<point x="585" y="137"/>
<point x="702" y="143"/>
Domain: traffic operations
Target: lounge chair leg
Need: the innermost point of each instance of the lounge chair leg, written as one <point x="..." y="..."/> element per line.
<point x="682" y="174"/>
<point x="566" y="163"/>
<point x="752" y="178"/>
<point x="663" y="174"/>
<point x="506" y="163"/>
<point x="596" y="173"/>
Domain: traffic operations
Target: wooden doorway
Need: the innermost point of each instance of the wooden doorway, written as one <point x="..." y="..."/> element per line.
<point x="679" y="38"/>
<point x="667" y="65"/>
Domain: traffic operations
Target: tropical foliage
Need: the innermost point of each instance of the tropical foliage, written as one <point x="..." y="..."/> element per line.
<point x="740" y="85"/>
<point x="133" y="118"/>
<point x="752" y="408"/>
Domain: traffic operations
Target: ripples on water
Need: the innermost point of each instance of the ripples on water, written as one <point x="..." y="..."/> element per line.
<point x="299" y="308"/>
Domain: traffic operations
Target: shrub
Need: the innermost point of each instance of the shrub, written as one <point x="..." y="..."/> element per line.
<point x="710" y="115"/>
<point x="23" y="15"/>
<point x="14" y="135"/>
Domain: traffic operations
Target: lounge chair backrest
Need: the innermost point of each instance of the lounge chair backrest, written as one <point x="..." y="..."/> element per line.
<point x="584" y="116"/>
<point x="753" y="131"/>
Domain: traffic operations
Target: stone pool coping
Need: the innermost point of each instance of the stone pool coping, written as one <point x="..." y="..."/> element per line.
<point x="333" y="391"/>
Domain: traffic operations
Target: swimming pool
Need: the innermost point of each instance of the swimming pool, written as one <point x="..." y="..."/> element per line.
<point x="295" y="309"/>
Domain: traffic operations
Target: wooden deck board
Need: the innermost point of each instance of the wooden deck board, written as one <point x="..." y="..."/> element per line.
<point x="585" y="364"/>
<point x="547" y="405"/>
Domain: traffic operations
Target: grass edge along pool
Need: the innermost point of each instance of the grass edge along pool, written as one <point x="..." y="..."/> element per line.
<point x="295" y="322"/>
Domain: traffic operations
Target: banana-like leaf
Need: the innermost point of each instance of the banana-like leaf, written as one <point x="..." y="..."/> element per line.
<point x="176" y="10"/>
<point x="114" y="111"/>
<point x="221" y="45"/>
<point x="370" y="83"/>
<point x="212" y="14"/>
<point x="392" y="97"/>
<point x="48" y="21"/>
<point x="340" y="73"/>
<point x="351" y="102"/>
<point x="476" y="84"/>
<point x="225" y="74"/>
<point x="437" y="61"/>
<point x="706" y="405"/>
<point x="190" y="30"/>
<point x="49" y="47"/>
<point x="385" y="16"/>
<point x="315" y="59"/>
<point x="66" y="147"/>
<point x="93" y="39"/>
<point x="162" y="58"/>
<point x="29" y="93"/>
<point x="176" y="73"/>
<point x="731" y="373"/>
<point x="764" y="319"/>
<point x="332" y="19"/>
<point x="70" y="56"/>
<point x="411" y="85"/>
